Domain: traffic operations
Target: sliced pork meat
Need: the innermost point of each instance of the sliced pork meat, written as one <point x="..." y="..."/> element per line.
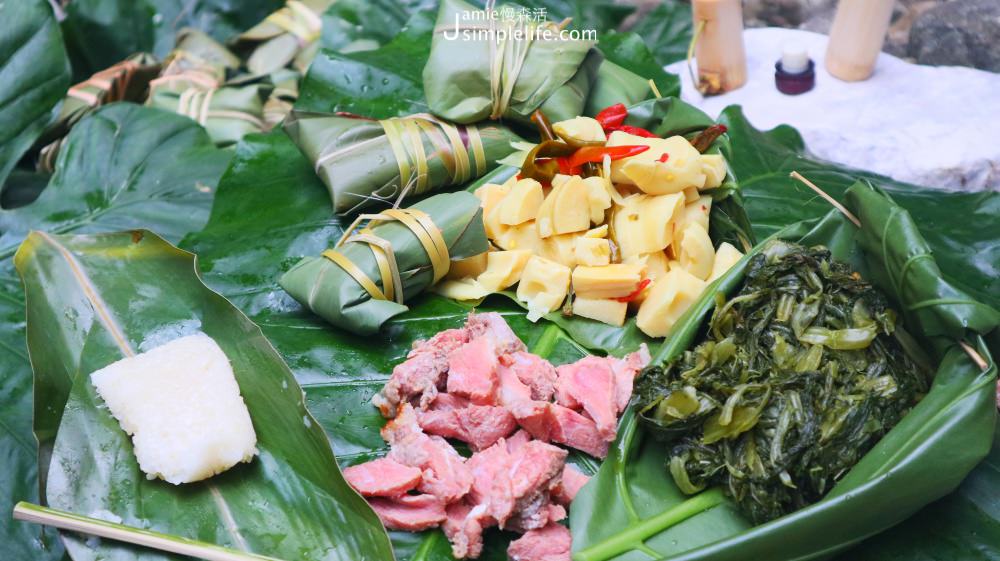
<point x="472" y="371"/>
<point x="449" y="402"/>
<point x="551" y="543"/>
<point x="383" y="478"/>
<point x="464" y="530"/>
<point x="625" y="372"/>
<point x="550" y="422"/>
<point x="478" y="384"/>
<point x="517" y="440"/>
<point x="535" y="468"/>
<point x="445" y="474"/>
<point x="409" y="512"/>
<point x="483" y="425"/>
<point x="576" y="431"/>
<point x="478" y="425"/>
<point x="537" y="517"/>
<point x="590" y="382"/>
<point x="511" y="391"/>
<point x="419" y="376"/>
<point x="534" y="372"/>
<point x="572" y="481"/>
<point x="490" y="479"/>
<point x="492" y="326"/>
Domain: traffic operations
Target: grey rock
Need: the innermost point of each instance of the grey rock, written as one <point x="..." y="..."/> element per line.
<point x="820" y="21"/>
<point x="961" y="33"/>
<point x="782" y="13"/>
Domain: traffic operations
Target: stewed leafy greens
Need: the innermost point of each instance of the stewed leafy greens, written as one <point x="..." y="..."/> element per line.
<point x="800" y="374"/>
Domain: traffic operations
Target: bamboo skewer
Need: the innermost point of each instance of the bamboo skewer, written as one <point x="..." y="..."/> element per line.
<point x="973" y="354"/>
<point x="164" y="542"/>
<point x="850" y="216"/>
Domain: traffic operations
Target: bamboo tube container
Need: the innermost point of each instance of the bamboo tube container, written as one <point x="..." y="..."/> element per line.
<point x="722" y="59"/>
<point x="856" y="38"/>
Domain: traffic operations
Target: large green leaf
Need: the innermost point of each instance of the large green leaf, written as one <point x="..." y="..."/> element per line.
<point x="131" y="291"/>
<point x="103" y="32"/>
<point x="380" y="83"/>
<point x="34" y="75"/>
<point x="920" y="460"/>
<point x="245" y="248"/>
<point x="961" y="228"/>
<point x="667" y="30"/>
<point x="965" y="525"/>
<point x="155" y="169"/>
<point x="355" y="25"/>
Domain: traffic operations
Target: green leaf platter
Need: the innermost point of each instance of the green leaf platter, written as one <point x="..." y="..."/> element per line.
<point x="147" y="231"/>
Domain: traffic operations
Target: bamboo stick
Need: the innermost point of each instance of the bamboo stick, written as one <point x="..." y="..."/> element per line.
<point x="164" y="542"/>
<point x="826" y="196"/>
<point x="856" y="38"/>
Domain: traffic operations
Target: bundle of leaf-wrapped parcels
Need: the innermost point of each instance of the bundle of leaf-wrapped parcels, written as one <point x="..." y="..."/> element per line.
<point x="485" y="65"/>
<point x="195" y="83"/>
<point x="364" y="161"/>
<point x="195" y="50"/>
<point x="368" y="277"/>
<point x="287" y="37"/>
<point x="228" y="113"/>
<point x="282" y="98"/>
<point x="126" y="81"/>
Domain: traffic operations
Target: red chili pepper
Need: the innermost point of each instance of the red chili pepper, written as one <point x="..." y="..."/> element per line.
<point x="664" y="158"/>
<point x="566" y="168"/>
<point x="595" y="154"/>
<point x="635" y="293"/>
<point x="612" y="116"/>
<point x="636" y="131"/>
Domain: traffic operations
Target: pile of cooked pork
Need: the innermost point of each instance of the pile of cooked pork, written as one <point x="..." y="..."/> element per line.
<point x="479" y="385"/>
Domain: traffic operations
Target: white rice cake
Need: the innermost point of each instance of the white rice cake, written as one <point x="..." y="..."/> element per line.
<point x="182" y="406"/>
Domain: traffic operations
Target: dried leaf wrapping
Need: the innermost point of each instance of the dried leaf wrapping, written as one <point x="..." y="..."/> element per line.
<point x="125" y="81"/>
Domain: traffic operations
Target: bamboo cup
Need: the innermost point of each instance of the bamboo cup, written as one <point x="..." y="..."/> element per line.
<point x="856" y="38"/>
<point x="722" y="59"/>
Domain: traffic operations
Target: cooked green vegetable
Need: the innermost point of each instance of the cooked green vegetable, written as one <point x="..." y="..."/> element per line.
<point x="801" y="373"/>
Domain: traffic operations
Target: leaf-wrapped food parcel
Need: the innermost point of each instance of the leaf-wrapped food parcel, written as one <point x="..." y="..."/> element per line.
<point x="287" y="37"/>
<point x="126" y="81"/>
<point x="363" y="161"/>
<point x="334" y="284"/>
<point x="483" y="66"/>
<point x="196" y="49"/>
<point x="228" y="112"/>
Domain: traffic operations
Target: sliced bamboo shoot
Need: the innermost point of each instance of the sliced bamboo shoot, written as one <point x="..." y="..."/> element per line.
<point x="611" y="312"/>
<point x="667" y="301"/>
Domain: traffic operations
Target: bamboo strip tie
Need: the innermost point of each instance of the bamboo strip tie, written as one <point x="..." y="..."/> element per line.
<point x="419" y="223"/>
<point x="299" y="20"/>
